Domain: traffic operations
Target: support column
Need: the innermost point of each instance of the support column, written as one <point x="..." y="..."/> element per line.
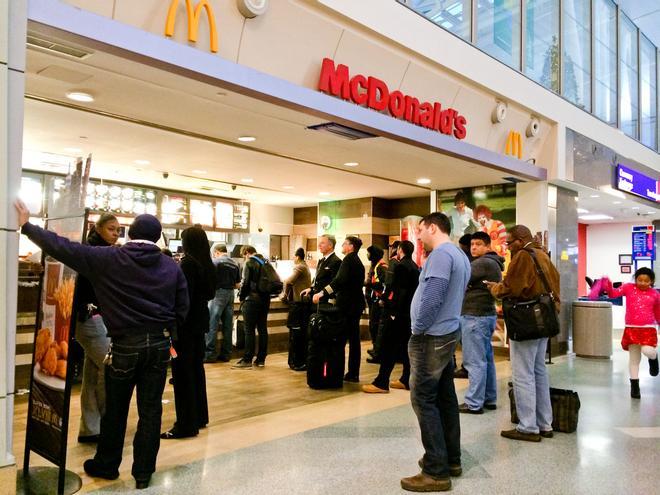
<point x="13" y="28"/>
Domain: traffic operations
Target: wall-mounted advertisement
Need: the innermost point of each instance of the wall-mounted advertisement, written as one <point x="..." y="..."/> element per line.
<point x="490" y="209"/>
<point x="201" y="212"/>
<point x="174" y="211"/>
<point x="224" y="215"/>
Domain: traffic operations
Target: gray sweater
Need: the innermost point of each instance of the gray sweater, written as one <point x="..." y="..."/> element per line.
<point x="478" y="301"/>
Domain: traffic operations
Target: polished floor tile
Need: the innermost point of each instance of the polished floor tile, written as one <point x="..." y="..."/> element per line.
<point x="361" y="444"/>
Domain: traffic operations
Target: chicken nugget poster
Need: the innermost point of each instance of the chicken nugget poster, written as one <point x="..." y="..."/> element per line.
<point x="50" y="380"/>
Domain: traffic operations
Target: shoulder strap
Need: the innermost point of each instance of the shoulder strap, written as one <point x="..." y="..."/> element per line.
<point x="540" y="272"/>
<point x="258" y="260"/>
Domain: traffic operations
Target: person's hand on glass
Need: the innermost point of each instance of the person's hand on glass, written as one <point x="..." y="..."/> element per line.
<point x="23" y="213"/>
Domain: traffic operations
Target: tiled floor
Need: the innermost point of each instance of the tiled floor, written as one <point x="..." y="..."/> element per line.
<point x="360" y="444"/>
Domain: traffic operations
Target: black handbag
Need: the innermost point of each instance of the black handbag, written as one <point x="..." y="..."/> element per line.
<point x="565" y="409"/>
<point x="533" y="319"/>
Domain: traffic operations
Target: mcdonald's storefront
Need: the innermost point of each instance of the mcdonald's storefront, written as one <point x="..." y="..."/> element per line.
<point x="291" y="107"/>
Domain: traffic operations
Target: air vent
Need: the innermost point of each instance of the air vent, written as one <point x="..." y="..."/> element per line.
<point x="39" y="43"/>
<point x="341" y="131"/>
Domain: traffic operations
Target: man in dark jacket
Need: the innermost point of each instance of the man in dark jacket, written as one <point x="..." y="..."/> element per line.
<point x="478" y="319"/>
<point x="143" y="296"/>
<point x="396" y="330"/>
<point x="327" y="267"/>
<point x="346" y="290"/>
<point x="255" y="306"/>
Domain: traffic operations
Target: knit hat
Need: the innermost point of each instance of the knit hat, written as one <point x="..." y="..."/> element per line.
<point x="145" y="227"/>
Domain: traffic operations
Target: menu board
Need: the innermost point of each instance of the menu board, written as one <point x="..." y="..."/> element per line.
<point x="241" y="220"/>
<point x="121" y="199"/>
<point x="173" y="210"/>
<point x="643" y="242"/>
<point x="224" y="215"/>
<point x="201" y="212"/>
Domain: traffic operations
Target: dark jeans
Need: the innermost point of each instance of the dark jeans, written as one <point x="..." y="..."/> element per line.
<point x="434" y="401"/>
<point x="221" y="310"/>
<point x="375" y="312"/>
<point x="255" y="315"/>
<point x="394" y="347"/>
<point x="352" y="333"/>
<point x="138" y="361"/>
<point x="192" y="412"/>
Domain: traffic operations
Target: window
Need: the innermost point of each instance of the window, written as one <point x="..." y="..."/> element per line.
<point x="605" y="63"/>
<point x="629" y="70"/>
<point x="452" y="15"/>
<point x="498" y="30"/>
<point x="542" y="42"/>
<point x="576" y="52"/>
<point x="648" y="95"/>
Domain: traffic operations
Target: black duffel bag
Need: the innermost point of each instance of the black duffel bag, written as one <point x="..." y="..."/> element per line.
<point x="565" y="409"/>
<point x="533" y="319"/>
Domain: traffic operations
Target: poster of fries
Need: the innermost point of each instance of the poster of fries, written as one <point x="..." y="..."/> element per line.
<point x="50" y="383"/>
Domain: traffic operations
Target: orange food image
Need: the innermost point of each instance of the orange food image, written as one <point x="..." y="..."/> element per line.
<point x="60" y="370"/>
<point x="64" y="350"/>
<point x="49" y="362"/>
<point x="42" y="344"/>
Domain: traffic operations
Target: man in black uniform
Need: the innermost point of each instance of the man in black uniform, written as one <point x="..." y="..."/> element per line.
<point x="397" y="329"/>
<point x="327" y="267"/>
<point x="346" y="287"/>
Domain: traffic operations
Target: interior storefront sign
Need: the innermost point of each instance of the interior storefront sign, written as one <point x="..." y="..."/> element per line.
<point x="636" y="183"/>
<point x="194" y="16"/>
<point x="375" y="94"/>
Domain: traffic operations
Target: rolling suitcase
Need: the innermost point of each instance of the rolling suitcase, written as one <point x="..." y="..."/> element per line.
<point x="325" y="352"/>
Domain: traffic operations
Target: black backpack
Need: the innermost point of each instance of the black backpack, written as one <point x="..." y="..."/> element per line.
<point x="269" y="281"/>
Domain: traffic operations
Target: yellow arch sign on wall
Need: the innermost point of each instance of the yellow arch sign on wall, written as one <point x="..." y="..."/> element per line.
<point x="194" y="16"/>
<point x="514" y="145"/>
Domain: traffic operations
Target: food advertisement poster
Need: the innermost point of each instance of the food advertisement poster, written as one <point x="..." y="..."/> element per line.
<point x="50" y="383"/>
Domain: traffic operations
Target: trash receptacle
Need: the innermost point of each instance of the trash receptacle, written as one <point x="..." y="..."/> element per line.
<point x="592" y="329"/>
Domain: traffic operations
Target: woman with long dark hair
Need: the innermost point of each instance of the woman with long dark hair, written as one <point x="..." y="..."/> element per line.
<point x="92" y="335"/>
<point x="188" y="368"/>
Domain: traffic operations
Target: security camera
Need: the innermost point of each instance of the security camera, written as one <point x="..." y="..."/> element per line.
<point x="233" y="187"/>
<point x="166" y="175"/>
<point x="260" y="229"/>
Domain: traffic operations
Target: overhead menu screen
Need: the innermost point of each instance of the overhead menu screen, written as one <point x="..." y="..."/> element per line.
<point x="241" y="216"/>
<point x="643" y="242"/>
<point x="201" y="212"/>
<point x="224" y="215"/>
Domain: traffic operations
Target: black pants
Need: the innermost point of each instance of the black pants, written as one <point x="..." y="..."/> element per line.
<point x="255" y="315"/>
<point x="352" y="333"/>
<point x="192" y="411"/>
<point x="140" y="362"/>
<point x="297" y="322"/>
<point x="394" y="347"/>
<point x="374" y="323"/>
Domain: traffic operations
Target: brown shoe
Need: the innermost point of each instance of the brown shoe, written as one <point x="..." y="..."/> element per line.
<point x="398" y="385"/>
<point x="373" y="389"/>
<point x="424" y="483"/>
<point x="546" y="434"/>
<point x="455" y="470"/>
<point x="519" y="435"/>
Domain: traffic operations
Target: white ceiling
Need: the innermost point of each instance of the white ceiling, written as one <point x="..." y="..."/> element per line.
<point x="180" y="126"/>
<point x="646" y="14"/>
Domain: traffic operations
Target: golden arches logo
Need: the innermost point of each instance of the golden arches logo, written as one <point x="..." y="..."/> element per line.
<point x="514" y="145"/>
<point x="193" y="21"/>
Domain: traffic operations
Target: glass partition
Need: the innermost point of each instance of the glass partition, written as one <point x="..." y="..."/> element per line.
<point x="498" y="30"/>
<point x="629" y="73"/>
<point x="605" y="63"/>
<point x="576" y="52"/>
<point x="648" y="95"/>
<point x="542" y="42"/>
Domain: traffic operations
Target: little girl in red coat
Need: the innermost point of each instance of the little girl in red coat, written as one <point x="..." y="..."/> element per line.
<point x="642" y="314"/>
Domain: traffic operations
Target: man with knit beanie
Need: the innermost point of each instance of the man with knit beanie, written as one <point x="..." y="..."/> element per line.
<point x="143" y="296"/>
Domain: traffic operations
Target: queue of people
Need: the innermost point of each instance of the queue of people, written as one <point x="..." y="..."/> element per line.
<point x="140" y="310"/>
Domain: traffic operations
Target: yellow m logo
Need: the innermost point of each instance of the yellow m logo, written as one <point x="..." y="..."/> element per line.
<point x="514" y="145"/>
<point x="193" y="21"/>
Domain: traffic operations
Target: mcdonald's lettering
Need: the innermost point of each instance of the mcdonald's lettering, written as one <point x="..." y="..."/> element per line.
<point x="194" y="16"/>
<point x="514" y="145"/>
<point x="374" y="93"/>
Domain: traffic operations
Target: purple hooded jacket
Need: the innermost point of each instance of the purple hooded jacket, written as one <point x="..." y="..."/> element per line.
<point x="139" y="289"/>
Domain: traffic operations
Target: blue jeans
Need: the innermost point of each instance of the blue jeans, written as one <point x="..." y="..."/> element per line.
<point x="531" y="387"/>
<point x="433" y="399"/>
<point x="138" y="361"/>
<point x="476" y="333"/>
<point x="221" y="309"/>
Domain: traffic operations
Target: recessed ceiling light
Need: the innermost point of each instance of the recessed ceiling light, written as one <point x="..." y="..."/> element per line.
<point x="651" y="212"/>
<point x="635" y="207"/>
<point x="142" y="162"/>
<point x="423" y="180"/>
<point x="73" y="150"/>
<point x="616" y="202"/>
<point x="324" y="193"/>
<point x="247" y="180"/>
<point x="80" y="96"/>
<point x="351" y="164"/>
<point x="199" y="171"/>
<point x="247" y="139"/>
<point x="582" y="210"/>
<point x="287" y="187"/>
<point x="595" y="196"/>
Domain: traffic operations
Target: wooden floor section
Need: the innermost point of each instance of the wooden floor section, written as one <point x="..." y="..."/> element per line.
<point x="246" y="407"/>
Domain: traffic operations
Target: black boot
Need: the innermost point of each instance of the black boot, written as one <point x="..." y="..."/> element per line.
<point x="634" y="389"/>
<point x="653" y="366"/>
